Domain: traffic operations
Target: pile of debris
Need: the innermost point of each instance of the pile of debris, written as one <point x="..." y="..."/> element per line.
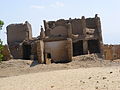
<point x="86" y="57"/>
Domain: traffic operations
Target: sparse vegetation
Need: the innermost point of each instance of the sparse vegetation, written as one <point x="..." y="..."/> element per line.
<point x="1" y="48"/>
<point x="1" y="43"/>
<point x="1" y="24"/>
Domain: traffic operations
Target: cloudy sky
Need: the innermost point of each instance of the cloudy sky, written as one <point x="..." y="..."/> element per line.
<point x="35" y="11"/>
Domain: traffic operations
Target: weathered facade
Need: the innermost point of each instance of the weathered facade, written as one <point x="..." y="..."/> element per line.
<point x="111" y="52"/>
<point x="20" y="40"/>
<point x="85" y="36"/>
<point x="59" y="42"/>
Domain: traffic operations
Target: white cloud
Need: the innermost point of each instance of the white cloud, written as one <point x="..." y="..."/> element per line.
<point x="37" y="7"/>
<point x="57" y="4"/>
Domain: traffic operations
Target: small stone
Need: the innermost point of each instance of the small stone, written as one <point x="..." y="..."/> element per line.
<point x="111" y="72"/>
<point x="104" y="78"/>
<point x="97" y="81"/>
<point x="52" y="86"/>
<point x="83" y="82"/>
<point x="89" y="77"/>
<point x="80" y="80"/>
<point x="96" y="87"/>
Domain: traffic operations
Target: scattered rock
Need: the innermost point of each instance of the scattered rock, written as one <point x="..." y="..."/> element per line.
<point x="52" y="86"/>
<point x="83" y="82"/>
<point x="89" y="77"/>
<point x="97" y="81"/>
<point x="86" y="57"/>
<point x="96" y="87"/>
<point x="104" y="78"/>
<point x="111" y="72"/>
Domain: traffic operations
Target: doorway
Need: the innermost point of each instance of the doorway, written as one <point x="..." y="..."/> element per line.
<point x="93" y="46"/>
<point x="26" y="52"/>
<point x="78" y="48"/>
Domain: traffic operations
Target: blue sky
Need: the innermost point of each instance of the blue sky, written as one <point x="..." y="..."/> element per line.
<point x="35" y="11"/>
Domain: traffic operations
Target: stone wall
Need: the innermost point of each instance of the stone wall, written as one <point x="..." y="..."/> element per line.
<point x="57" y="50"/>
<point x="87" y="30"/>
<point x="34" y="50"/>
<point x="18" y="32"/>
<point x="16" y="50"/>
<point x="59" y="31"/>
<point x="111" y="52"/>
<point x="77" y="26"/>
<point x="40" y="51"/>
<point x="108" y="53"/>
<point x="16" y="35"/>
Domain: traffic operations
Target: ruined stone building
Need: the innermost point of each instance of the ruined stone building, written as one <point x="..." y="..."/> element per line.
<point x="20" y="40"/>
<point x="59" y="42"/>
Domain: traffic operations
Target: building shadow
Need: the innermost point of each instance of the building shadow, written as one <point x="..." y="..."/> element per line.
<point x="34" y="63"/>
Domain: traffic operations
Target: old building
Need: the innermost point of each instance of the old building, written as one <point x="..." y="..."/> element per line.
<point x="59" y="42"/>
<point x="19" y="39"/>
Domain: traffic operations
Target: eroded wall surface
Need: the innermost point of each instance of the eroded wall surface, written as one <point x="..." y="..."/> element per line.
<point x="111" y="52"/>
<point x="57" y="50"/>
<point x="16" y="34"/>
<point x="85" y="30"/>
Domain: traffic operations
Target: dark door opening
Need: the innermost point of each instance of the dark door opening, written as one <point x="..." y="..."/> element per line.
<point x="78" y="48"/>
<point x="93" y="46"/>
<point x="49" y="55"/>
<point x="26" y="52"/>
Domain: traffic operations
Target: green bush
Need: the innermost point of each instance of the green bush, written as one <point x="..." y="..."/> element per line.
<point x="1" y="43"/>
<point x="1" y="24"/>
<point x="1" y="48"/>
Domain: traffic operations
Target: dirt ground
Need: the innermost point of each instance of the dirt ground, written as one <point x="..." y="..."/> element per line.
<point x="93" y="78"/>
<point x="83" y="73"/>
<point x="17" y="67"/>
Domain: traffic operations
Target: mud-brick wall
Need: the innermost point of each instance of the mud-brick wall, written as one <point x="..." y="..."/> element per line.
<point x="108" y="54"/>
<point x="116" y="51"/>
<point x="40" y="51"/>
<point x="16" y="51"/>
<point x="34" y="50"/>
<point x="111" y="52"/>
<point x="18" y="32"/>
<point x="58" y="50"/>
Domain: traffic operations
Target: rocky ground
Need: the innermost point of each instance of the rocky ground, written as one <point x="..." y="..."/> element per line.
<point x="93" y="78"/>
<point x="85" y="72"/>
<point x="19" y="67"/>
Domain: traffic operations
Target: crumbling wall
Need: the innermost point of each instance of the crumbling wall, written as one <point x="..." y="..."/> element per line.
<point x="40" y="51"/>
<point x="116" y="51"/>
<point x="57" y="51"/>
<point x="16" y="35"/>
<point x="19" y="32"/>
<point x="87" y="30"/>
<point x="77" y="27"/>
<point x="108" y="53"/>
<point x="111" y="52"/>
<point x="34" y="51"/>
<point x="6" y="53"/>
<point x="16" y="50"/>
<point x="59" y="31"/>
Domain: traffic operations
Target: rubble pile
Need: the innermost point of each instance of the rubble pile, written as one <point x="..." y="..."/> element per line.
<point x="86" y="57"/>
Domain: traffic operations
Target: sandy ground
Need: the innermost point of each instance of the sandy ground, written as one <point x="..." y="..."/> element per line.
<point x="20" y="67"/>
<point x="95" y="78"/>
<point x="83" y="73"/>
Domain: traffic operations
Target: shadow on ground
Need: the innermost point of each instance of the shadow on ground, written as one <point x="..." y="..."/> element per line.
<point x="34" y="63"/>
